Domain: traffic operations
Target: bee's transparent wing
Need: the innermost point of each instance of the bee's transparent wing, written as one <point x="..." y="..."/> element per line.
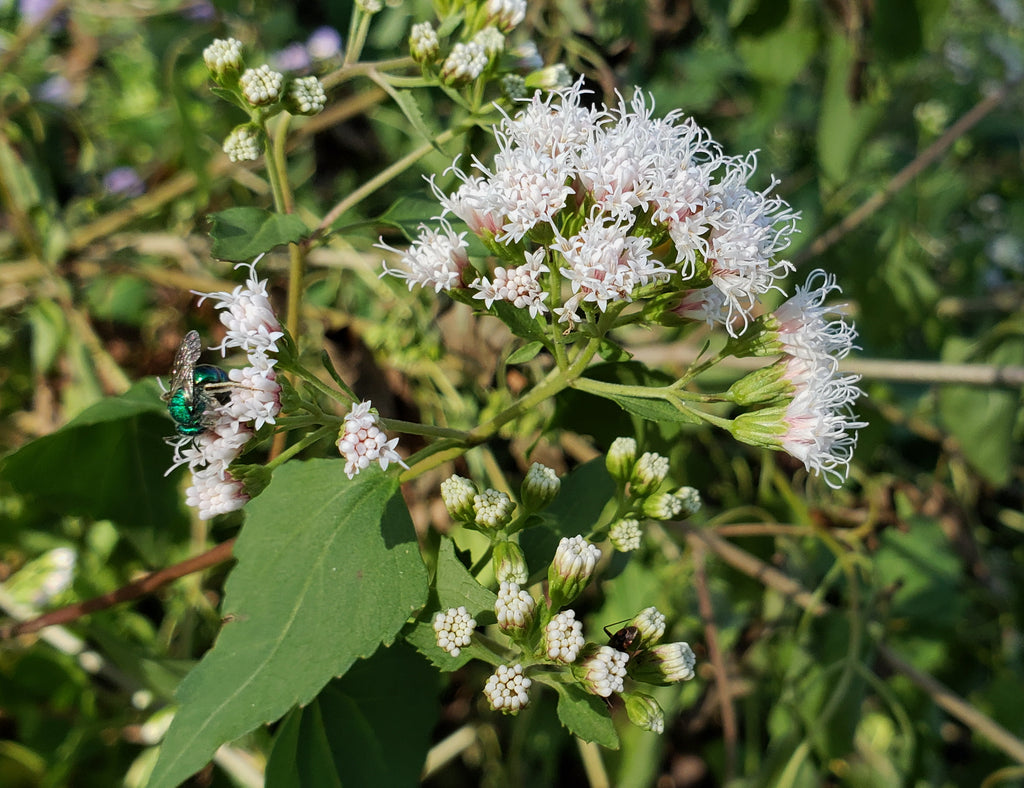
<point x="183" y="373"/>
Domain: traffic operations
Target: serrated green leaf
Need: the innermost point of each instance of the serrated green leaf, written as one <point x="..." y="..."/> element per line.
<point x="406" y="101"/>
<point x="526" y="352"/>
<point x="351" y="734"/>
<point x="456" y="586"/>
<point x="118" y="456"/>
<point x="242" y="234"/>
<point x="328" y="569"/>
<point x="586" y="716"/>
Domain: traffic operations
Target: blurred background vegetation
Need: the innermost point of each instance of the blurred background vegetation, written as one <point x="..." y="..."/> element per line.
<point x="867" y="637"/>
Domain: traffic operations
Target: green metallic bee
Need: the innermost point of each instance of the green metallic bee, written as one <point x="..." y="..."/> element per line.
<point x="195" y="388"/>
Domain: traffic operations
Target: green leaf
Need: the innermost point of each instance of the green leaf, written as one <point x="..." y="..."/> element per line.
<point x="457" y="587"/>
<point x="371" y="727"/>
<point x="409" y="212"/>
<point x="328" y="569"/>
<point x="242" y="234"/>
<point x="577" y="509"/>
<point x="519" y="320"/>
<point x="406" y="101"/>
<point x="526" y="352"/>
<point x="651" y="409"/>
<point x="586" y="716"/>
<point x="107" y="463"/>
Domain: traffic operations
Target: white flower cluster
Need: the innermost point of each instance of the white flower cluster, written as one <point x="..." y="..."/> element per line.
<point x="514" y="606"/>
<point x="242" y="144"/>
<point x="261" y="85"/>
<point x="604" y="671"/>
<point x="362" y="442"/>
<point x="615" y="201"/>
<point x="453" y="629"/>
<point x="506" y="689"/>
<point x="625" y="535"/>
<point x="492" y="508"/>
<point x="253" y="328"/>
<point x="563" y="637"/>
<point x="223" y="54"/>
<point x="307" y="95"/>
<point x="819" y="419"/>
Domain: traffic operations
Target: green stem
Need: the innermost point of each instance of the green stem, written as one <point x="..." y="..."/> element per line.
<point x="357" y="35"/>
<point x="298" y="446"/>
<point x="430" y="431"/>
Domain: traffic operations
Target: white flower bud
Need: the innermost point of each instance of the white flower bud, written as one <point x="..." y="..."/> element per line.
<point x="506" y="689"/>
<point x="244" y="143"/>
<point x="453" y="629"/>
<point x="261" y="86"/>
<point x="223" y="55"/>
<point x="424" y="45"/>
<point x="492" y="509"/>
<point x="667" y="663"/>
<point x="306" y="96"/>
<point x="649" y="472"/>
<point x="540" y="487"/>
<point x="571" y="569"/>
<point x="625" y="535"/>
<point x="603" y="670"/>
<point x="458" y="493"/>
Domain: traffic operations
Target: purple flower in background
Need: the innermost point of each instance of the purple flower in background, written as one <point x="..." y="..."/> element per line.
<point x="31" y="11"/>
<point x="324" y="43"/>
<point x="200" y="11"/>
<point x="293" y="57"/>
<point x="58" y="90"/>
<point x="123" y="182"/>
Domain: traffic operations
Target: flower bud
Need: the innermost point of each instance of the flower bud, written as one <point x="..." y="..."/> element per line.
<point x="650" y="625"/>
<point x="223" y="57"/>
<point x="662" y="506"/>
<point x="761" y="338"/>
<point x="648" y="473"/>
<point x="492" y="509"/>
<point x="453" y="629"/>
<point x="620" y="459"/>
<point x="690" y="499"/>
<point x="764" y="427"/>
<point x="464" y="63"/>
<point x="765" y="385"/>
<point x="625" y="535"/>
<point x="645" y="712"/>
<point x="540" y="487"/>
<point x="563" y="637"/>
<point x="505" y="14"/>
<point x="370" y="6"/>
<point x="550" y="78"/>
<point x="491" y="41"/>
<point x="458" y="493"/>
<point x="244" y="143"/>
<point x="510" y="563"/>
<point x="513" y="86"/>
<point x="571" y="569"/>
<point x="306" y="96"/>
<point x="667" y="663"/>
<point x="261" y="86"/>
<point x="424" y="44"/>
<point x="514" y="609"/>
<point x="506" y="689"/>
<point x="602" y="670"/>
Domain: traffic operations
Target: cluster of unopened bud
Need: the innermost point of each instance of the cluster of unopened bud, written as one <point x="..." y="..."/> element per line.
<point x="260" y="91"/>
<point x="639" y="481"/>
<point x="493" y="511"/>
<point x="478" y="50"/>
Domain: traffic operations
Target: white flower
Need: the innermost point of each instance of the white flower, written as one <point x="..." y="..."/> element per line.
<point x="257" y="397"/>
<point x="423" y="42"/>
<point x="223" y="54"/>
<point x="491" y="41"/>
<point x="625" y="535"/>
<point x="435" y="260"/>
<point x="820" y="426"/>
<point x="214" y="493"/>
<point x="506" y="14"/>
<point x="603" y="671"/>
<point x="514" y="607"/>
<point x="362" y="442"/>
<point x="563" y="637"/>
<point x="802" y="328"/>
<point x="247" y="314"/>
<point x="506" y="689"/>
<point x="493" y="508"/>
<point x="519" y="286"/>
<point x="464" y="64"/>
<point x="261" y="86"/>
<point x="650" y="471"/>
<point x="453" y="629"/>
<point x="307" y="95"/>
<point x="243" y="144"/>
